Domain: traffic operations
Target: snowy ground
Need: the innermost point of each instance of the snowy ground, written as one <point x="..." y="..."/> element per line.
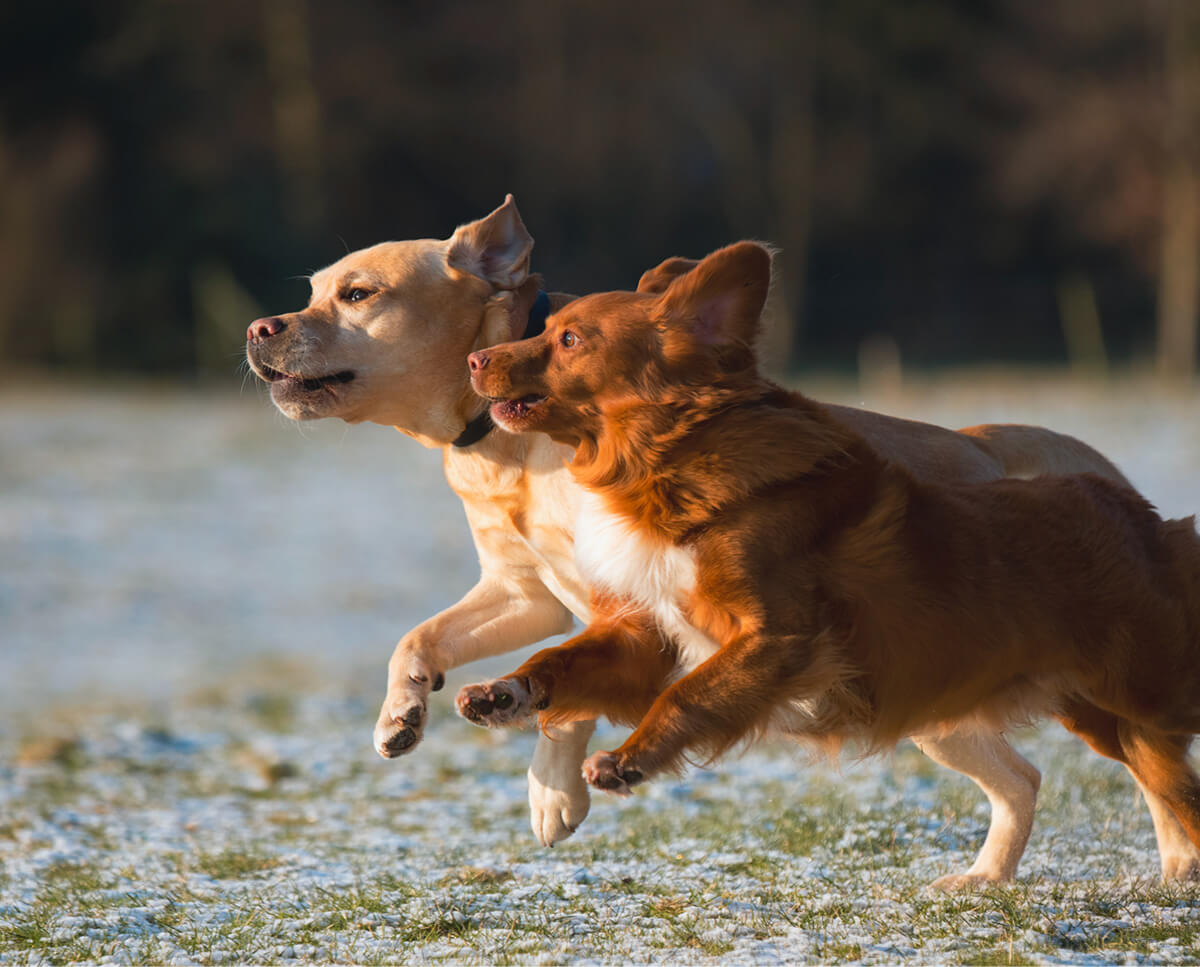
<point x="197" y="601"/>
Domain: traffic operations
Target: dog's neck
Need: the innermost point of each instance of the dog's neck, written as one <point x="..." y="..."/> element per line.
<point x="480" y="425"/>
<point x="676" y="464"/>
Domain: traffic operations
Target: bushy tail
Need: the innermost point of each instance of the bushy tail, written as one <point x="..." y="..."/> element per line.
<point x="1028" y="451"/>
<point x="1183" y="543"/>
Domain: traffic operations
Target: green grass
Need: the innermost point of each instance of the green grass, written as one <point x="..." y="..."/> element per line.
<point x="73" y="877"/>
<point x="1141" y="938"/>
<point x="836" y="952"/>
<point x="477" y="876"/>
<point x="445" y="922"/>
<point x="230" y="863"/>
<point x="30" y="934"/>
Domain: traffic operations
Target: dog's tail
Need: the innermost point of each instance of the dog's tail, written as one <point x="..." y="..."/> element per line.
<point x="1182" y="544"/>
<point x="1028" y="451"/>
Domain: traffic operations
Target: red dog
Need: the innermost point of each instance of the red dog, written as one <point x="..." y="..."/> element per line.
<point x="756" y="564"/>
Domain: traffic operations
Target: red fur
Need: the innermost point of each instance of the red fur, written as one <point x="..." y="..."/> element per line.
<point x="619" y="663"/>
<point x="830" y="576"/>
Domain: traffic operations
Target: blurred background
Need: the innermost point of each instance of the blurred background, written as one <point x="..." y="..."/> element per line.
<point x="967" y="180"/>
<point x="986" y="210"/>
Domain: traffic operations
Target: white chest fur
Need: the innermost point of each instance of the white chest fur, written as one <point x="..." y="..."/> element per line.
<point x="613" y="556"/>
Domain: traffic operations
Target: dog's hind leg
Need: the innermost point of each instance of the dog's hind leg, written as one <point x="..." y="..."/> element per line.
<point x="1158" y="763"/>
<point x="1010" y="783"/>
<point x="558" y="795"/>
<point x="1178" y="854"/>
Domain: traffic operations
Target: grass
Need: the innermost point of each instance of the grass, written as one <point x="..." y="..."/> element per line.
<point x="248" y="819"/>
<point x="154" y="856"/>
<point x="230" y="863"/>
<point x="477" y="876"/>
<point x="73" y="877"/>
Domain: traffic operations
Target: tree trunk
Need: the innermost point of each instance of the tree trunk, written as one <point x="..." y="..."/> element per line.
<point x="1179" y="277"/>
<point x="789" y="176"/>
<point x="295" y="105"/>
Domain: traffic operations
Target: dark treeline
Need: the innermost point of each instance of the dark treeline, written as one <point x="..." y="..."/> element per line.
<point x="973" y="179"/>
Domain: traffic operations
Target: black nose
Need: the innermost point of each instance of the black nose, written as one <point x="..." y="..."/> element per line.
<point x="478" y="361"/>
<point x="265" y="328"/>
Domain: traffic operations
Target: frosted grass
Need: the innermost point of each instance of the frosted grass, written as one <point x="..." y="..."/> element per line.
<point x="197" y="601"/>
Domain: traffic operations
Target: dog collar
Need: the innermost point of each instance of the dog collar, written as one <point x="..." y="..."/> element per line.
<point x="482" y="425"/>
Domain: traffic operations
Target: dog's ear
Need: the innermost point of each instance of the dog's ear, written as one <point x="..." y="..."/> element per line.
<point x="657" y="279"/>
<point x="720" y="301"/>
<point x="495" y="248"/>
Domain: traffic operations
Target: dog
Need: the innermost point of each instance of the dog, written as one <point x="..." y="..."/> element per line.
<point x="385" y="338"/>
<point x="757" y="564"/>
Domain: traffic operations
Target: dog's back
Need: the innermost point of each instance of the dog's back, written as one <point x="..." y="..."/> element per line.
<point x="992" y="601"/>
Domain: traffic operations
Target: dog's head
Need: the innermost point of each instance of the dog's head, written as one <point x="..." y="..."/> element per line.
<point x="695" y="324"/>
<point x="386" y="329"/>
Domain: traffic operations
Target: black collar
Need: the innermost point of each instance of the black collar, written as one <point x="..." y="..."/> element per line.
<point x="482" y="425"/>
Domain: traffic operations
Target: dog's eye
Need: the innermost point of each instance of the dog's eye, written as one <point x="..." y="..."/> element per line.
<point x="356" y="294"/>
<point x="568" y="339"/>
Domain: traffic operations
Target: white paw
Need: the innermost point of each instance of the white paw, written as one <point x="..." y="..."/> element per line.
<point x="555" y="811"/>
<point x="559" y="799"/>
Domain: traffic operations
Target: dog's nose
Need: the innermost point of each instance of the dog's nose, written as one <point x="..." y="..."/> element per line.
<point x="478" y="361"/>
<point x="265" y="328"/>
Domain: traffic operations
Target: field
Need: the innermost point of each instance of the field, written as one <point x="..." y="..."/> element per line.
<point x="197" y="602"/>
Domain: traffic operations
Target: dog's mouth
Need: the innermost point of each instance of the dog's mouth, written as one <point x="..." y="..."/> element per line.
<point x="310" y="384"/>
<point x="515" y="412"/>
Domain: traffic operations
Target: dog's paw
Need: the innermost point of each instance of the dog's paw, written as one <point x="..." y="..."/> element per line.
<point x="399" y="727"/>
<point x="555" y="811"/>
<point x="497" y="702"/>
<point x="403" y="716"/>
<point x="559" y="799"/>
<point x="963" y="882"/>
<point x="1182" y="867"/>
<point x="604" y="771"/>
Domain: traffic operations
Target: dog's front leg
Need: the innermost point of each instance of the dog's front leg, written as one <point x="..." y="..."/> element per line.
<point x="722" y="701"/>
<point x="615" y="667"/>
<point x="499" y="614"/>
